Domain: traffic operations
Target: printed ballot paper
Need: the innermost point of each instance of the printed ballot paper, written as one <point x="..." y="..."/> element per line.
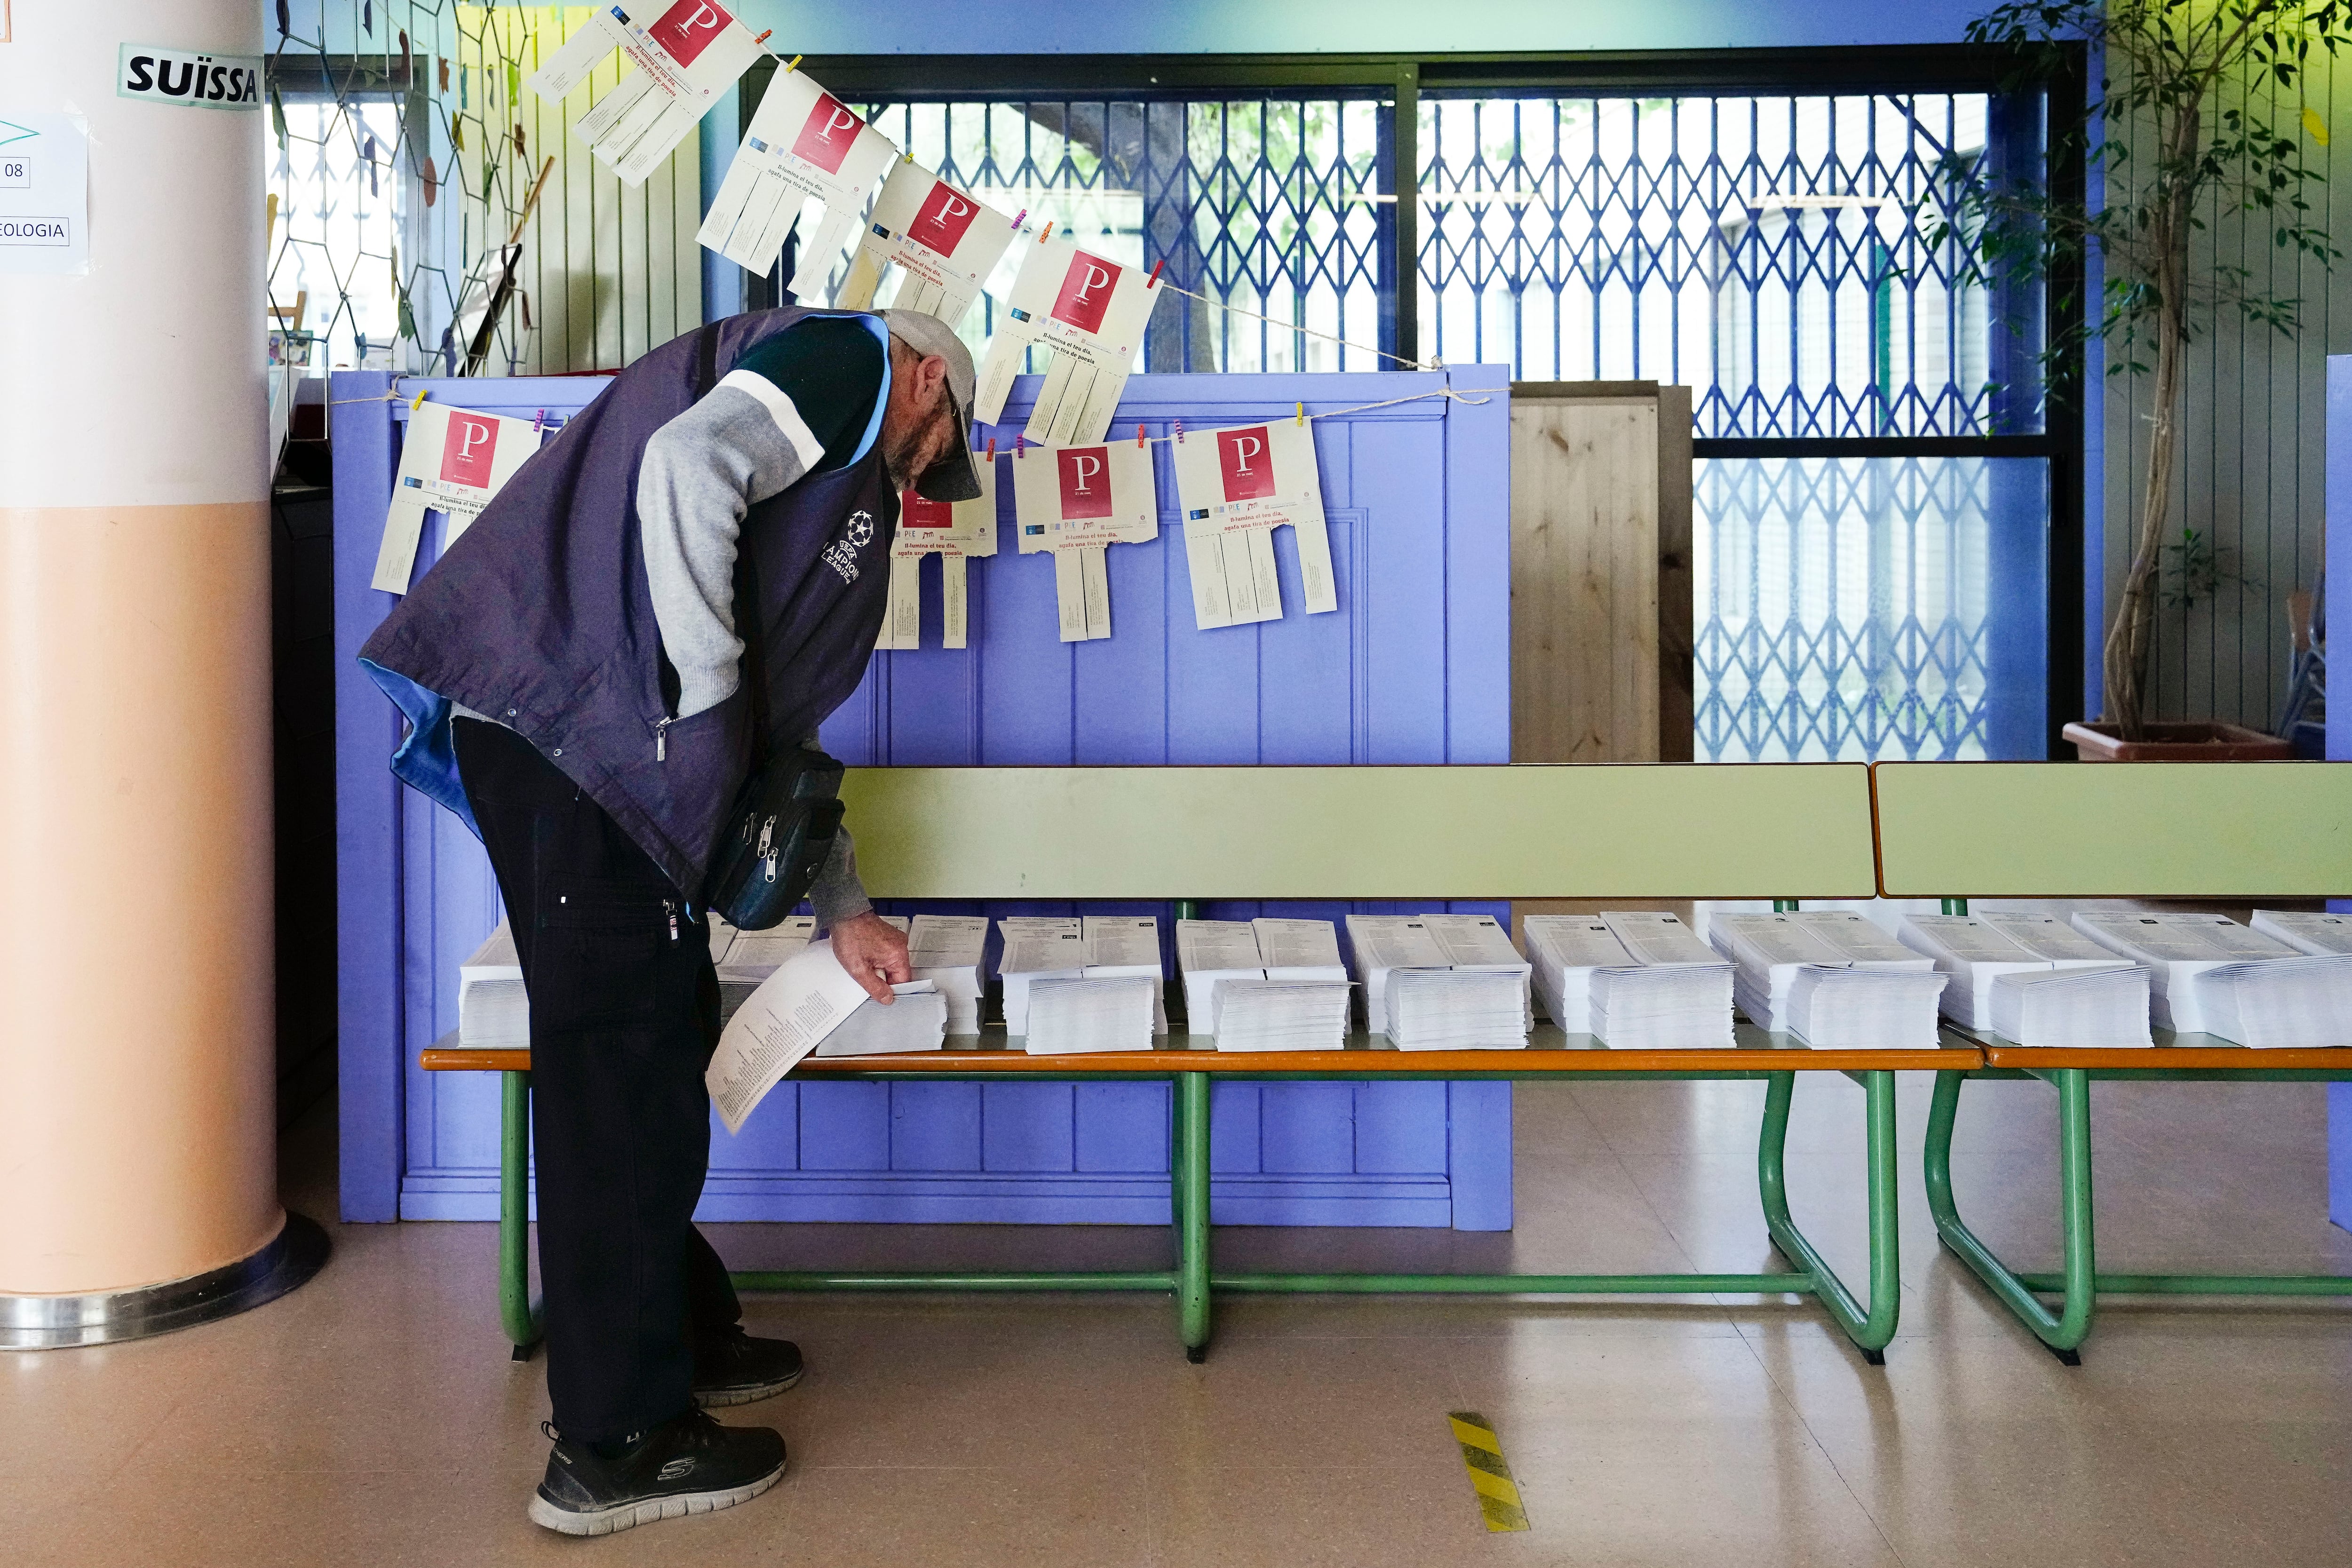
<point x="1088" y="315"/>
<point x="685" y="58"/>
<point x="941" y="240"/>
<point x="453" y="461"/>
<point x="1236" y="487"/>
<point x="952" y="530"/>
<point x="1072" y="501"/>
<point x="808" y="998"/>
<point x="802" y="143"/>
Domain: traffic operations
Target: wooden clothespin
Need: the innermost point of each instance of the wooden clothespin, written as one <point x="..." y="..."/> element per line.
<point x="790" y="64"/>
<point x="992" y="449"/>
<point x="1153" y="282"/>
<point x="765" y="37"/>
<point x="419" y="401"/>
<point x="1048" y="233"/>
<point x="1138" y="437"/>
<point x="1019" y="447"/>
<point x="1302" y="415"/>
<point x="539" y="425"/>
<point x="1180" y="432"/>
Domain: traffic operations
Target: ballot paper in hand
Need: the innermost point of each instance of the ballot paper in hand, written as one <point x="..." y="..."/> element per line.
<point x="785" y="1019"/>
<point x="453" y="460"/>
<point x="1074" y="501"/>
<point x="1087" y="314"/>
<point x="939" y="241"/>
<point x="1236" y="487"/>
<point x="954" y="531"/>
<point x="685" y="58"/>
<point x="804" y="144"/>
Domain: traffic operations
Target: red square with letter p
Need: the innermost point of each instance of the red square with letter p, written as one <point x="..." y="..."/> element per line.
<point x="686" y="28"/>
<point x="920" y="511"/>
<point x="465" y="456"/>
<point x="1085" y="481"/>
<point x="945" y="214"/>
<point x="1085" y="293"/>
<point x="1242" y="460"/>
<point x="825" y="140"/>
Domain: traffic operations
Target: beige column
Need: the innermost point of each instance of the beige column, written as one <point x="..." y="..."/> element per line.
<point x="136" y="1115"/>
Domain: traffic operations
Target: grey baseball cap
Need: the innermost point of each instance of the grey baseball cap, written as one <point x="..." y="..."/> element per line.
<point x="954" y="477"/>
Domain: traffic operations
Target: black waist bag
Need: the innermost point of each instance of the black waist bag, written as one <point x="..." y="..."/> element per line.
<point x="788" y="811"/>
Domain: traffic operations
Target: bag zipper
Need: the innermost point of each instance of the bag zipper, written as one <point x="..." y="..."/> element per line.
<point x="669" y="908"/>
<point x="661" y="738"/>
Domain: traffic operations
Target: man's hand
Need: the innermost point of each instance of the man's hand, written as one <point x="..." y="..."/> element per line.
<point x="875" y="953"/>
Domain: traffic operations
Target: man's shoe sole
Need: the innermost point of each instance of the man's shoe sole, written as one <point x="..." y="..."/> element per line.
<point x="652" y="1510"/>
<point x="720" y="1398"/>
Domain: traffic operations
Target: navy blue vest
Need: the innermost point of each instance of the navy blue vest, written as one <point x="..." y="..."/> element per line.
<point x="541" y="615"/>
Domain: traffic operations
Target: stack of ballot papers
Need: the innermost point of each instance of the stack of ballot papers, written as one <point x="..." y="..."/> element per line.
<point x="2306" y="931"/>
<point x="1211" y="952"/>
<point x="753" y="956"/>
<point x="1128" y="947"/>
<point x="1457" y="1009"/>
<point x="1071" y="1014"/>
<point x="493" y="1009"/>
<point x="1384" y="945"/>
<point x="1038" y="948"/>
<point x="1566" y="951"/>
<point x="1298" y="949"/>
<point x="916" y="1020"/>
<point x="1638" y="979"/>
<point x="946" y="950"/>
<point x="2280" y="1003"/>
<point x="1389" y="946"/>
<point x="1977" y="950"/>
<point x="2175" y="950"/>
<point x="1663" y="1007"/>
<point x="1480" y="943"/>
<point x="1772" y="950"/>
<point x="1852" y="1008"/>
<point x="2102" y="1004"/>
<point x="1281" y="1014"/>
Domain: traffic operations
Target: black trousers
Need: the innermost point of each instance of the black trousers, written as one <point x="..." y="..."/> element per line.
<point x="624" y="1016"/>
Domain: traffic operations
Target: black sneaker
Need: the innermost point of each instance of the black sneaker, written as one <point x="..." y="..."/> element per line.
<point x="689" y="1465"/>
<point x="739" y="1369"/>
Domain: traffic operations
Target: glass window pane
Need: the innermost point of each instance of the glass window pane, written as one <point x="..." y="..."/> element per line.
<point x="1858" y="608"/>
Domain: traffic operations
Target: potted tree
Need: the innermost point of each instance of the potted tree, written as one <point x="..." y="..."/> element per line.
<point x="2179" y="124"/>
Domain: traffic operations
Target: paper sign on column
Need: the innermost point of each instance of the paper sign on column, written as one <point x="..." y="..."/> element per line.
<point x="1248" y="482"/>
<point x="786" y="1018"/>
<point x="1089" y="315"/>
<point x="44" y="193"/>
<point x="944" y="240"/>
<point x="954" y="530"/>
<point x="802" y="142"/>
<point x="686" y="57"/>
<point x="1074" y="501"/>
<point x="453" y="461"/>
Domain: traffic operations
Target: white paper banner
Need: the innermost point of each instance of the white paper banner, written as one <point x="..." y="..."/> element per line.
<point x="1235" y="487"/>
<point x="1090" y="314"/>
<point x="1074" y="501"/>
<point x="685" y="58"/>
<point x="453" y="461"/>
<point x="802" y="142"/>
<point x="954" y="530"/>
<point x="943" y="241"/>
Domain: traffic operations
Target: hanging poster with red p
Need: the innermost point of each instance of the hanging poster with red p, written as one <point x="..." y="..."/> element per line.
<point x="453" y="460"/>
<point x="804" y="144"/>
<point x="954" y="531"/>
<point x="1236" y="487"/>
<point x="686" y="56"/>
<point x="1073" y="502"/>
<point x="1089" y="312"/>
<point x="941" y="240"/>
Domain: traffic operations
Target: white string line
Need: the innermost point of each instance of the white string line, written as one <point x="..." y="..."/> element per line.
<point x="1446" y="392"/>
<point x="1294" y="327"/>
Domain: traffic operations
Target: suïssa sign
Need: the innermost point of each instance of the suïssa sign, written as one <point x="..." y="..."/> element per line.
<point x="189" y="78"/>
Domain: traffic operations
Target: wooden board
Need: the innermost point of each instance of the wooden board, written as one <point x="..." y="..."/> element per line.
<point x="1584" y="576"/>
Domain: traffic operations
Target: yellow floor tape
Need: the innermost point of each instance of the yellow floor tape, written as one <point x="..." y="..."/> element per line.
<point x="1490" y="1473"/>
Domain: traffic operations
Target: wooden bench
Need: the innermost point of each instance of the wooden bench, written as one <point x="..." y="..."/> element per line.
<point x="2146" y="830"/>
<point x="1367" y="833"/>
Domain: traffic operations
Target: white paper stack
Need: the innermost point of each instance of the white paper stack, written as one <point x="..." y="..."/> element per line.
<point x="2102" y="1004"/>
<point x="1974" y="953"/>
<point x="1479" y="942"/>
<point x="1208" y="955"/>
<point x="947" y="951"/>
<point x="1566" y="951"/>
<point x="1075" y="1014"/>
<point x="1770" y="950"/>
<point x="2281" y="1002"/>
<point x="753" y="956"/>
<point x="1479" y="1008"/>
<point x="2176" y="949"/>
<point x="2048" y="936"/>
<point x="1281" y="1014"/>
<point x="1127" y="946"/>
<point x="2306" y="931"/>
<point x="916" y="1020"/>
<point x="1664" y="1006"/>
<point x="1848" y="1007"/>
<point x="1384" y="945"/>
<point x="1654" y="936"/>
<point x="1860" y="940"/>
<point x="1036" y="947"/>
<point x="1298" y="949"/>
<point x="493" y="1008"/>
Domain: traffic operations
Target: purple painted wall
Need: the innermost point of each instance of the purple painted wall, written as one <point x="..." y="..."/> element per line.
<point x="2339" y="725"/>
<point x="1412" y="668"/>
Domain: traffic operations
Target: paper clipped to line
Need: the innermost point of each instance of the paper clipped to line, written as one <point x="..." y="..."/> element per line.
<point x="1236" y="487"/>
<point x="954" y="531"/>
<point x="1088" y="314"/>
<point x="453" y="460"/>
<point x="808" y="998"/>
<point x="802" y="143"/>
<point x="685" y="58"/>
<point x="939" y="240"/>
<point x="1074" y="501"/>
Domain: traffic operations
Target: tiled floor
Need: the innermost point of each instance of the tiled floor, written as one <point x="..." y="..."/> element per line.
<point x="374" y="1417"/>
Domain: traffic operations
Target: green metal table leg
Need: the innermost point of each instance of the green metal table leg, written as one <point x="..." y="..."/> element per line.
<point x="521" y="1315"/>
<point x="1188" y="1174"/>
<point x="1870" y="1329"/>
<point x="2065" y="1331"/>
